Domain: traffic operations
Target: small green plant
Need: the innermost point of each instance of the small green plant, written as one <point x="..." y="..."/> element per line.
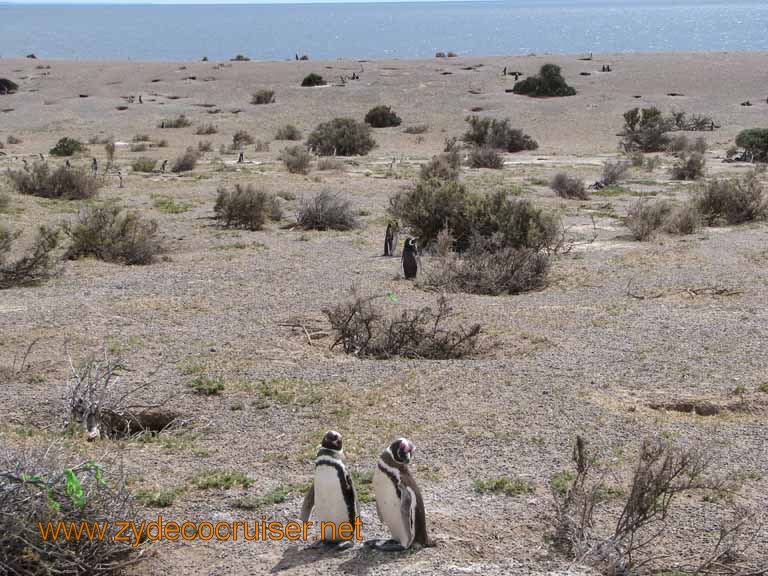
<point x="263" y="97"/>
<point x="382" y="117"/>
<point x="170" y="205"/>
<point x="161" y="498"/>
<point x="220" y="479"/>
<point x="313" y="79"/>
<point x="276" y="496"/>
<point x="504" y="485"/>
<point x="763" y="388"/>
<point x="561" y="482"/>
<point x="206" y="385"/>
<point x="67" y="147"/>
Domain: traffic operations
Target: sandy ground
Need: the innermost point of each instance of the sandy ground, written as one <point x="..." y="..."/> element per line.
<point x="579" y="357"/>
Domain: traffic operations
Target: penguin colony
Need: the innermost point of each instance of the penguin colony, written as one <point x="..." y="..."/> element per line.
<point x="332" y="496"/>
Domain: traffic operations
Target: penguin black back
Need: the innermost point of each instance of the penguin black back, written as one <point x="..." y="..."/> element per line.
<point x="410" y="264"/>
<point x="388" y="250"/>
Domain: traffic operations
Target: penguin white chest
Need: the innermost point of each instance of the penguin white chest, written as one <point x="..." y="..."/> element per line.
<point x="330" y="505"/>
<point x="389" y="507"/>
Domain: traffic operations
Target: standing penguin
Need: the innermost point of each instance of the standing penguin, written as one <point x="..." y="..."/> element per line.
<point x="410" y="264"/>
<point x="398" y="500"/>
<point x="332" y="495"/>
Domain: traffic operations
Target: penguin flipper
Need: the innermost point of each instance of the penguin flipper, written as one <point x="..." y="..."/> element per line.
<point x="351" y="488"/>
<point x="408" y="514"/>
<point x="308" y="504"/>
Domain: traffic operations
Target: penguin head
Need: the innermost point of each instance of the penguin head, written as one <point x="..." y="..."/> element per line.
<point x="332" y="440"/>
<point x="402" y="450"/>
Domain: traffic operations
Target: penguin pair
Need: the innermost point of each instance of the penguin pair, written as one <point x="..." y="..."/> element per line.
<point x="399" y="502"/>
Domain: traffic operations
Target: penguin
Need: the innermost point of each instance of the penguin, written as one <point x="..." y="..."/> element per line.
<point x="165" y="163"/>
<point x="94" y="167"/>
<point x="241" y="158"/>
<point x="388" y="237"/>
<point x="332" y="495"/>
<point x="398" y="500"/>
<point x="410" y="264"/>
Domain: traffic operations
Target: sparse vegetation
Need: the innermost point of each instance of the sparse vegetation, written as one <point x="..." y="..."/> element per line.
<point x="689" y="167"/>
<point x="382" y="117"/>
<point x="143" y="164"/>
<point x="329" y="163"/>
<point x="645" y="130"/>
<point x="326" y="211"/>
<point x="220" y="479"/>
<point x="733" y="201"/>
<point x="67" y="147"/>
<point x="497" y="134"/>
<point x="614" y="171"/>
<point x="112" y="235"/>
<point x="341" y="137"/>
<point x="39" y="264"/>
<point x="206" y="129"/>
<point x="263" y="96"/>
<point x="548" y="83"/>
<point x="313" y="79"/>
<point x="186" y="161"/>
<point x="567" y="186"/>
<point x="11" y="140"/>
<point x="444" y="166"/>
<point x="288" y="132"/>
<point x="62" y="183"/>
<point x="416" y="129"/>
<point x="645" y="218"/>
<point x="8" y="86"/>
<point x="246" y="207"/>
<point x="297" y="159"/>
<point x="206" y="385"/>
<point x="485" y="157"/>
<point x="204" y="146"/>
<point x="240" y="139"/>
<point x="364" y="328"/>
<point x="504" y="485"/>
<point x="180" y="121"/>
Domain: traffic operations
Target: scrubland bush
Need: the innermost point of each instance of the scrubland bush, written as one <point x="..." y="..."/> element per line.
<point x="141" y="138"/>
<point x="263" y="96"/>
<point x="140" y="147"/>
<point x="186" y="161"/>
<point x="111" y="235"/>
<point x="684" y="219"/>
<point x="341" y="137"/>
<point x="39" y="488"/>
<point x="313" y="79"/>
<point x="754" y="141"/>
<point x="689" y="167"/>
<point x="67" y="147"/>
<point x="733" y="201"/>
<point x="204" y="146"/>
<point x="206" y="129"/>
<point x="246" y="207"/>
<point x="548" y="83"/>
<point x="497" y="134"/>
<point x="680" y="145"/>
<point x="485" y="157"/>
<point x="39" y="264"/>
<point x="614" y="171"/>
<point x="326" y="211"/>
<point x="180" y="121"/>
<point x="297" y="159"/>
<point x="444" y="166"/>
<point x="366" y="328"/>
<point x="11" y="140"/>
<point x="382" y="117"/>
<point x="569" y="187"/>
<point x="143" y="164"/>
<point x="240" y="139"/>
<point x="645" y="130"/>
<point x="433" y="204"/>
<point x="416" y="129"/>
<point x="329" y="163"/>
<point x="288" y="132"/>
<point x="63" y="183"/>
<point x="645" y="218"/>
<point x="8" y="86"/>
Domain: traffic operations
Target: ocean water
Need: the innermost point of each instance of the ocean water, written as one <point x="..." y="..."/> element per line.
<point x="380" y="30"/>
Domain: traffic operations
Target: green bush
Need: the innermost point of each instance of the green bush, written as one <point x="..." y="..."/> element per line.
<point x="63" y="183"/>
<point x="548" y="83"/>
<point x="240" y="139"/>
<point x="8" y="86"/>
<point x="754" y="141"/>
<point x="485" y="157"/>
<point x="111" y="235"/>
<point x="67" y="147"/>
<point x="246" y="207"/>
<point x="297" y="159"/>
<point x="143" y="164"/>
<point x="382" y="117"/>
<point x="263" y="97"/>
<point x="313" y="80"/>
<point x="645" y="130"/>
<point x="341" y="137"/>
<point x="445" y="166"/>
<point x="490" y="132"/>
<point x="288" y="132"/>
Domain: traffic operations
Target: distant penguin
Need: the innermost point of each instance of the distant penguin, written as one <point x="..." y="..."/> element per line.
<point x="410" y="264"/>
<point x="241" y="158"/>
<point x="67" y="164"/>
<point x="504" y="73"/>
<point x="41" y="156"/>
<point x="398" y="500"/>
<point x="165" y="163"/>
<point x="332" y="495"/>
<point x="94" y="167"/>
<point x="140" y="100"/>
<point x="388" y="240"/>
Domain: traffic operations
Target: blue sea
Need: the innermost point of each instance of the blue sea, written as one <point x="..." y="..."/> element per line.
<point x="379" y="30"/>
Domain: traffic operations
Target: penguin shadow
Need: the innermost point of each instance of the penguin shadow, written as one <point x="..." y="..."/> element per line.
<point x="365" y="559"/>
<point x="295" y="556"/>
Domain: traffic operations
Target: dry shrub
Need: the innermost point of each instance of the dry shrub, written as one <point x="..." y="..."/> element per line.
<point x="645" y="130"/>
<point x="288" y="132"/>
<point x="140" y="147"/>
<point x="326" y="211"/>
<point x="263" y="97"/>
<point x="261" y="146"/>
<point x="180" y="121"/>
<point x="569" y="187"/>
<point x="143" y="164"/>
<point x="488" y="269"/>
<point x="39" y="264"/>
<point x="614" y="171"/>
<point x="497" y="134"/>
<point x="485" y="157"/>
<point x="206" y="130"/>
<point x="683" y="220"/>
<point x="204" y="146"/>
<point x="241" y="138"/>
<point x="680" y="145"/>
<point x="297" y="159"/>
<point x="111" y="235"/>
<point x="416" y="129"/>
<point x="341" y="137"/>
<point x="689" y="167"/>
<point x="444" y="166"/>
<point x="37" y="487"/>
<point x="67" y="147"/>
<point x="382" y="117"/>
<point x="13" y="140"/>
<point x="645" y="218"/>
<point x="733" y="201"/>
<point x="64" y="183"/>
<point x="186" y="161"/>
<point x="365" y="328"/>
<point x="329" y="163"/>
<point x="110" y="149"/>
<point x="246" y="207"/>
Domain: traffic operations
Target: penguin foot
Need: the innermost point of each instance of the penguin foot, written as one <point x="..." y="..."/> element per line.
<point x="385" y="545"/>
<point x="329" y="546"/>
